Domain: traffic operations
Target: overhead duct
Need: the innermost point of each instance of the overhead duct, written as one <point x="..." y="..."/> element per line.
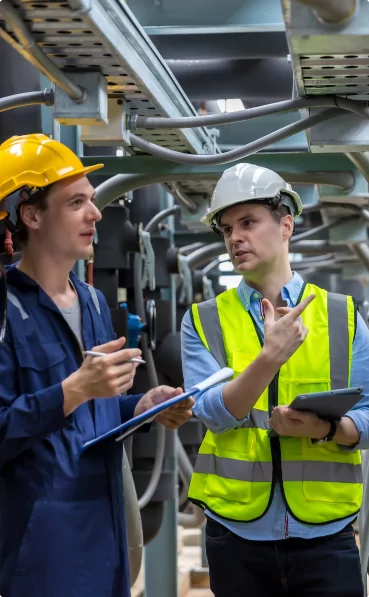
<point x="227" y="79"/>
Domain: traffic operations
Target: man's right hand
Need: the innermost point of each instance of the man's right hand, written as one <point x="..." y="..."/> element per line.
<point x="284" y="336"/>
<point x="101" y="377"/>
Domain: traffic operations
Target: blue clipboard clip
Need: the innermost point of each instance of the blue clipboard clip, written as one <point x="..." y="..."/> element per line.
<point x="129" y="427"/>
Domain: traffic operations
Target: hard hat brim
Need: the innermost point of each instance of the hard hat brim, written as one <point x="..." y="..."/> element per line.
<point x="85" y="171"/>
<point x="208" y="218"/>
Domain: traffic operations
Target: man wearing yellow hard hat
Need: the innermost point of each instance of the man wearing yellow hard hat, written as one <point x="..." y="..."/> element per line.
<point x="280" y="487"/>
<point x="62" y="527"/>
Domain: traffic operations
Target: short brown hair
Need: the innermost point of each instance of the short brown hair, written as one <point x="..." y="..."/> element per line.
<point x="277" y="212"/>
<point x="39" y="200"/>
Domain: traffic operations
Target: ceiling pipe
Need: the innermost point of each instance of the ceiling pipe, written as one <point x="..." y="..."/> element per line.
<point x="118" y="185"/>
<point x="362" y="251"/>
<point x="317" y="247"/>
<point x="322" y="228"/>
<point x="331" y="12"/>
<point x="183" y="198"/>
<point x="361" y="161"/>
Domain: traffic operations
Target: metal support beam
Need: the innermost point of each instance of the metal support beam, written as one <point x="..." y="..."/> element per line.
<point x="120" y="184"/>
<point x="281" y="162"/>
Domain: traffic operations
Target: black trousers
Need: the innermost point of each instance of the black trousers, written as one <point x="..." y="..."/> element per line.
<point x="322" y="567"/>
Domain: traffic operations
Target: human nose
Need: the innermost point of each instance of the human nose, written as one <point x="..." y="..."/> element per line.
<point x="95" y="214"/>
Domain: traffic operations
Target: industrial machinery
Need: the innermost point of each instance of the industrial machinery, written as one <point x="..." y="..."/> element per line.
<point x="148" y="88"/>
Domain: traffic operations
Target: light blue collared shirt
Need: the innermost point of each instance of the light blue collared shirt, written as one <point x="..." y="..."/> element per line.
<point x="209" y="407"/>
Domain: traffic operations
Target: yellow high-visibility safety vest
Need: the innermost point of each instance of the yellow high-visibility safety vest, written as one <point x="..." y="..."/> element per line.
<point x="236" y="471"/>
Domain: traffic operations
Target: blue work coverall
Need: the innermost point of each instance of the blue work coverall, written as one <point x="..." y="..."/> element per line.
<point x="62" y="524"/>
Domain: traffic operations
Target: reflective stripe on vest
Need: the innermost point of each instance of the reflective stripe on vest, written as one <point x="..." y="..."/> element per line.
<point x="292" y="470"/>
<point x="233" y="475"/>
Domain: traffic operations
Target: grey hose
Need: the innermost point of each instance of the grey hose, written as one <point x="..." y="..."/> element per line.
<point x="139" y="122"/>
<point x="204" y="254"/>
<point x="38" y="58"/>
<point x="239" y="152"/>
<point x="189" y="248"/>
<point x="332" y="12"/>
<point x="311" y="207"/>
<point x="119" y="184"/>
<point x="361" y="161"/>
<point x="197" y="518"/>
<point x="321" y="228"/>
<point x="159" y="217"/>
<point x="153" y="382"/>
<point x="147" y="354"/>
<point x="27" y="99"/>
<point x="133" y="521"/>
<point x="183" y="197"/>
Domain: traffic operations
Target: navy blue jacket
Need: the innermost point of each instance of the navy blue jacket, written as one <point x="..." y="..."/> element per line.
<point x="62" y="526"/>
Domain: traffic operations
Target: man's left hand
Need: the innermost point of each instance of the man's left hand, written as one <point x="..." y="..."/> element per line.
<point x="174" y="416"/>
<point x="293" y="423"/>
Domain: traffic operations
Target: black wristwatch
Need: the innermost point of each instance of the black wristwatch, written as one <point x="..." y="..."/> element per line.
<point x="330" y="435"/>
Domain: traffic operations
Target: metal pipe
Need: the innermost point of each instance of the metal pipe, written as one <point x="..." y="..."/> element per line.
<point x="184" y="198"/>
<point x="316" y="247"/>
<point x="332" y="12"/>
<point x="341" y="180"/>
<point x="239" y="153"/>
<point x="362" y="251"/>
<point x="203" y="255"/>
<point x="212" y="265"/>
<point x="147" y="354"/>
<point x="27" y="99"/>
<point x="311" y="207"/>
<point x="38" y="58"/>
<point x="324" y="264"/>
<point x="321" y="228"/>
<point x="142" y="122"/>
<point x="133" y="519"/>
<point x="190" y="248"/>
<point x="196" y="518"/>
<point x="361" y="161"/>
<point x="118" y="185"/>
<point x="159" y="217"/>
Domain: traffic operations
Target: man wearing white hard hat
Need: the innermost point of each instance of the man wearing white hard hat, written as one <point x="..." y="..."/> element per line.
<point x="280" y="487"/>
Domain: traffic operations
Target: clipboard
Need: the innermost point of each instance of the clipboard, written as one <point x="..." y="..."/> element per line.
<point x="128" y="427"/>
<point x="332" y="404"/>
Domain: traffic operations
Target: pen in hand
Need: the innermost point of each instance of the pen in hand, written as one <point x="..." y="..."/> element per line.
<point x="92" y="353"/>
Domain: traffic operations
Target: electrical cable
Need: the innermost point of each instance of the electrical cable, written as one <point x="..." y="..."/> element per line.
<point x="239" y="152"/>
<point x="147" y="355"/>
<point x="300" y="103"/>
<point x="27" y="99"/>
<point x="37" y="56"/>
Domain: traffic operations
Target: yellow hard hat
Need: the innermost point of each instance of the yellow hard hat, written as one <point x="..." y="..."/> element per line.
<point x="34" y="162"/>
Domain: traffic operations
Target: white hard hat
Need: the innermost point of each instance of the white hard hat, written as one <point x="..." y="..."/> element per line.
<point x="247" y="182"/>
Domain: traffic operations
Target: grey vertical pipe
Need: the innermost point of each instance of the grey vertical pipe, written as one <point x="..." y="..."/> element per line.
<point x="133" y="521"/>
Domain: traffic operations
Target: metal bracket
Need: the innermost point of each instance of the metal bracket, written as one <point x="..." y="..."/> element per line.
<point x="148" y="258"/>
<point x="115" y="131"/>
<point x="93" y="111"/>
<point x="186" y="295"/>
